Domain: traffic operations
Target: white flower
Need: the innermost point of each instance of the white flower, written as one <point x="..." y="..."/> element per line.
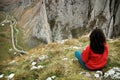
<point x="11" y="76"/>
<point x="33" y="63"/>
<point x="2" y="75"/>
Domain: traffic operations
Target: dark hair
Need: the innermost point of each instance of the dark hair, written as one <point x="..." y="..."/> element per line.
<point x="97" y="40"/>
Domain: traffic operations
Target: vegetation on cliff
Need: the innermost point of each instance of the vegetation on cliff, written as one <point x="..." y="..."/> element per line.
<point x="56" y="61"/>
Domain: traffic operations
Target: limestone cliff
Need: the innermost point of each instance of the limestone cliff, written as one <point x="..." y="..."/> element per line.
<point x="54" y="20"/>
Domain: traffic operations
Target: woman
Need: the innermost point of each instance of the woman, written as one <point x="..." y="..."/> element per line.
<point x="95" y="55"/>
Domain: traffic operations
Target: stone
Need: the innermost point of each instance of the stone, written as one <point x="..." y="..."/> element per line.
<point x="33" y="63"/>
<point x="3" y="24"/>
<point x="33" y="67"/>
<point x="113" y="73"/>
<point x="96" y="75"/>
<point x="40" y="66"/>
<point x="65" y="59"/>
<point x="42" y="57"/>
<point x="11" y="76"/>
<point x="1" y="75"/>
<point x="51" y="78"/>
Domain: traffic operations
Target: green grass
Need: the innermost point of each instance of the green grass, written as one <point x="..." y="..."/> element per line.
<point x="5" y="40"/>
<point x="54" y="65"/>
<point x="114" y="53"/>
<point x="20" y="39"/>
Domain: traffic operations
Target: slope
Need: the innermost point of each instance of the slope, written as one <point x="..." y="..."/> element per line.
<point x="56" y="61"/>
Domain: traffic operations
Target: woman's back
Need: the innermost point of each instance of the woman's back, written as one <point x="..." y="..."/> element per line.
<point x="95" y="60"/>
<point x="96" y="53"/>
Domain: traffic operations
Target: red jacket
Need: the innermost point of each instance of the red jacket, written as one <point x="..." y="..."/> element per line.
<point x="94" y="61"/>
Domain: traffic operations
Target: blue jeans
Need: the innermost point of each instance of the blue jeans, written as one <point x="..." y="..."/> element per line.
<point x="79" y="57"/>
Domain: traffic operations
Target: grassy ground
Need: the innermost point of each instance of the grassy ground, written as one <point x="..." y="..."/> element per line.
<point x="5" y="40"/>
<point x="60" y="61"/>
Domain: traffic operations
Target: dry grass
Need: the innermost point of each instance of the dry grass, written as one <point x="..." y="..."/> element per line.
<point x="54" y="65"/>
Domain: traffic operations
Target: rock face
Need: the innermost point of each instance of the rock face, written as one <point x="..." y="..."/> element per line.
<point x="105" y="14"/>
<point x="55" y="20"/>
<point x="65" y="15"/>
<point x="36" y="27"/>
